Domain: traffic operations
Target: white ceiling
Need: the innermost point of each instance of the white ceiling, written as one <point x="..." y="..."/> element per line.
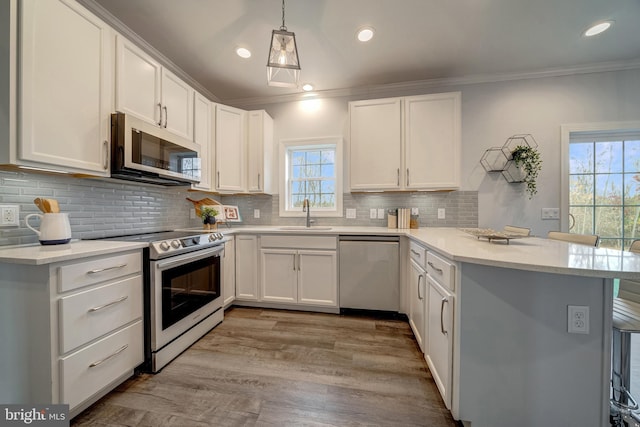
<point x="415" y="40"/>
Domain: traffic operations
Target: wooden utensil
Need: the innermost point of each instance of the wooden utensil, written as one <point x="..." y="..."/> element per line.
<point x="40" y="204"/>
<point x="51" y="206"/>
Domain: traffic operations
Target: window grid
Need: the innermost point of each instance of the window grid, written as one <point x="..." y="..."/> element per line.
<point x="312" y="176"/>
<point x="614" y="217"/>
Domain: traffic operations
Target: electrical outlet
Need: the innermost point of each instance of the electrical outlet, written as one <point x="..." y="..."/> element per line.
<point x="351" y="213"/>
<point x="9" y="215"/>
<point x="256" y="213"/>
<point x="192" y="214"/>
<point x="550" y="213"/>
<point x="380" y="213"/>
<point x="373" y="214"/>
<point x="578" y="319"/>
<point x="441" y="213"/>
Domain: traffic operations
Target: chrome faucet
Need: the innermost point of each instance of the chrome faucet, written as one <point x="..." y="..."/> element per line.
<point x="306" y="207"/>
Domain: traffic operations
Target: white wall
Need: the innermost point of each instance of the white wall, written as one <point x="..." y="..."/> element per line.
<point x="492" y="112"/>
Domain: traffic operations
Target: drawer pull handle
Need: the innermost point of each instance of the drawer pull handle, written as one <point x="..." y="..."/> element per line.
<point x="100" y="307"/>
<point x="115" y="353"/>
<point x="439" y="270"/>
<point x="444" y="300"/>
<point x="415" y="252"/>
<point x="102" y="270"/>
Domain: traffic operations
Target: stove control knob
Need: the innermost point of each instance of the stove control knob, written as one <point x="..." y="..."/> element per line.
<point x="175" y="244"/>
<point x="219" y="236"/>
<point x="164" y="246"/>
<point x="196" y="240"/>
<point x="212" y="237"/>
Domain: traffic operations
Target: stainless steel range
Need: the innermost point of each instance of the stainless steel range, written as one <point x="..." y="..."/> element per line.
<point x="183" y="299"/>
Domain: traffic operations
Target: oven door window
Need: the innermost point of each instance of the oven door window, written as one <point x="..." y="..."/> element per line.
<point x="188" y="287"/>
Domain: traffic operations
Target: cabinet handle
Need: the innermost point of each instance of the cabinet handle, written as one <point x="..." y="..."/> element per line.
<point x="115" y="353"/>
<point x="159" y="114"/>
<point x="294" y="262"/>
<point x="166" y="116"/>
<point x="105" y="144"/>
<point x="101" y="270"/>
<point x="298" y="262"/>
<point x="218" y="180"/>
<point x="259" y="188"/>
<point x="100" y="307"/>
<point x="415" y="252"/>
<point x="442" y="302"/>
<point x="439" y="270"/>
<point x="407" y="177"/>
<point x="398" y="180"/>
<point x="419" y="278"/>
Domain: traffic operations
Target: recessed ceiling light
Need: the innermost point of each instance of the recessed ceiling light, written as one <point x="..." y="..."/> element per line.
<point x="307" y="87"/>
<point x="365" y="34"/>
<point x="243" y="52"/>
<point x="598" y="28"/>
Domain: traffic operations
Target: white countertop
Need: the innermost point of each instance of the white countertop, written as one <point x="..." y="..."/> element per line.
<point x="531" y="253"/>
<point x="36" y="254"/>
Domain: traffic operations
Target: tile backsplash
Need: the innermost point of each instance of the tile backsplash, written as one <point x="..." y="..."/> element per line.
<point x="107" y="207"/>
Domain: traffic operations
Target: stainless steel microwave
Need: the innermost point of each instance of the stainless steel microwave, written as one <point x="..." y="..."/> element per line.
<point x="144" y="152"/>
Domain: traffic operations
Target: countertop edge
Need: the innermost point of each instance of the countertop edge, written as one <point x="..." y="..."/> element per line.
<point x="41" y="255"/>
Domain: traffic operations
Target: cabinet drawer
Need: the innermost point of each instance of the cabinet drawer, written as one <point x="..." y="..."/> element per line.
<point x="90" y="314"/>
<point x="299" y="242"/>
<point x="418" y="254"/>
<point x="73" y="276"/>
<point x="441" y="270"/>
<point x="89" y="370"/>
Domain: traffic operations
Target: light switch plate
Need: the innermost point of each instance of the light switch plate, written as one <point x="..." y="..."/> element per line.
<point x="351" y="213"/>
<point x="256" y="213"/>
<point x="441" y="213"/>
<point x="373" y="213"/>
<point x="414" y="211"/>
<point x="550" y="213"/>
<point x="380" y="213"/>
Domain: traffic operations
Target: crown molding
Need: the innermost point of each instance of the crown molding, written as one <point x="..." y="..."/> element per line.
<point x="133" y="37"/>
<point x="393" y="89"/>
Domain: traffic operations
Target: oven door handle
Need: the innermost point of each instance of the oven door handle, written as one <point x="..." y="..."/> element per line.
<point x="193" y="256"/>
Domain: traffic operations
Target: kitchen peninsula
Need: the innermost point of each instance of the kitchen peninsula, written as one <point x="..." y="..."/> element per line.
<point x="512" y="361"/>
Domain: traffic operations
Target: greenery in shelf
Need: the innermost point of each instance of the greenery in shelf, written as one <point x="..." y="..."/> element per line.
<point x="208" y="215"/>
<point x="528" y="159"/>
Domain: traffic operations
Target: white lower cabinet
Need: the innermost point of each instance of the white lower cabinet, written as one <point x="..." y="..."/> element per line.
<point x="76" y="328"/>
<point x="417" y="302"/>
<point x="247" y="267"/>
<point x="229" y="272"/>
<point x="299" y="270"/>
<point x="439" y="355"/>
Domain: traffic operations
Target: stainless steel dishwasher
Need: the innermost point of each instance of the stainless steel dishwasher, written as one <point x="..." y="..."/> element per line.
<point x="369" y="272"/>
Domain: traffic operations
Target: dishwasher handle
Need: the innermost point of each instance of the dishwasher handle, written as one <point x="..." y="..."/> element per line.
<point x="347" y="238"/>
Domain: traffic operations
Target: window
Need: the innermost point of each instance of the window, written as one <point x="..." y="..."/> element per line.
<point x="604" y="186"/>
<point x="311" y="169"/>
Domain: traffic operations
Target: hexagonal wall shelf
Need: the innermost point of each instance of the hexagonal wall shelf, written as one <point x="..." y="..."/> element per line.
<point x="516" y="140"/>
<point x="494" y="160"/>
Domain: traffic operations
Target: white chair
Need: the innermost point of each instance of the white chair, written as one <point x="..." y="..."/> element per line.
<point x="520" y="231"/>
<point x="583" y="239"/>
<point x="626" y="320"/>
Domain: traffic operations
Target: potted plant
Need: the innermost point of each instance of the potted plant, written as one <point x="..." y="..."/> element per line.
<point x="528" y="160"/>
<point x="208" y="215"/>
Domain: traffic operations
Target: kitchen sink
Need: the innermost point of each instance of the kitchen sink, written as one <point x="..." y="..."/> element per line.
<point x="303" y="228"/>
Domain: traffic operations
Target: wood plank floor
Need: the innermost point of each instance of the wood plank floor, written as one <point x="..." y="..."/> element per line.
<point x="283" y="368"/>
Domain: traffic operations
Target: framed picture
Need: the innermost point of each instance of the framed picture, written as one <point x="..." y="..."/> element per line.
<point x="231" y="213"/>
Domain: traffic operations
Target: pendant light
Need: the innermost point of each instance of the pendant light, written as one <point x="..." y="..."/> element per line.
<point x="283" y="66"/>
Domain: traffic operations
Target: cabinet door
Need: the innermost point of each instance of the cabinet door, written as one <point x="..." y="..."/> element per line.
<point x="432" y="141"/>
<point x="247" y="267"/>
<point x="317" y="278"/>
<point x="259" y="152"/>
<point x="177" y="105"/>
<point x="230" y="148"/>
<point x="65" y="86"/>
<point x="375" y="144"/>
<point x="137" y="82"/>
<point x="279" y="275"/>
<point x="202" y="135"/>
<point x="417" y="300"/>
<point x="229" y="272"/>
<point x="439" y="354"/>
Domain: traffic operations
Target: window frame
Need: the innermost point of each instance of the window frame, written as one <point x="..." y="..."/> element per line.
<point x="576" y="132"/>
<point x="285" y="147"/>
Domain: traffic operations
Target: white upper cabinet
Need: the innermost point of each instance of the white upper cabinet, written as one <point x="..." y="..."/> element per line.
<point x="410" y="143"/>
<point x="230" y="149"/>
<point x="149" y="91"/>
<point x="432" y="141"/>
<point x="260" y="152"/>
<point x="376" y="144"/>
<point x="203" y="136"/>
<point x="65" y="92"/>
